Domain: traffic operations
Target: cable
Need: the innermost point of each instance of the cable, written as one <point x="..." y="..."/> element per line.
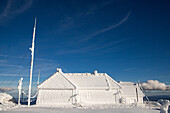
<point x="14" y="70"/>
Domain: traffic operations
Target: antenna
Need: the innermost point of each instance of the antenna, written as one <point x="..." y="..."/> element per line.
<point x="32" y="60"/>
<point x="38" y="78"/>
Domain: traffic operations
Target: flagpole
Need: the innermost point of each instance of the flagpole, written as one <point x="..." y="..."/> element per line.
<point x="32" y="60"/>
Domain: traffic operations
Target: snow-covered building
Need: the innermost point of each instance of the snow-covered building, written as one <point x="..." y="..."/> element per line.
<point x="131" y="93"/>
<point x="65" y="89"/>
<point x="78" y="89"/>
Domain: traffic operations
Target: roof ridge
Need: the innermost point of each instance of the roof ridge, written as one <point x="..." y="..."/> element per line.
<point x="83" y="74"/>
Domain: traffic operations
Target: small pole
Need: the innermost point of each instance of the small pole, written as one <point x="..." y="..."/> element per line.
<point x="19" y="90"/>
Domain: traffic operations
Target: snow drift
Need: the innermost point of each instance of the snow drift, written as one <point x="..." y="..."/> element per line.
<point x="6" y="101"/>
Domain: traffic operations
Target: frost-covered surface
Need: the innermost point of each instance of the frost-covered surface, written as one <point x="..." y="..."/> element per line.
<point x="131" y="93"/>
<point x="80" y="80"/>
<point x="129" y="89"/>
<point x="161" y="104"/>
<point x="81" y="110"/>
<point x="91" y="80"/>
<point x="6" y="101"/>
<point x="164" y="105"/>
<point x="78" y="88"/>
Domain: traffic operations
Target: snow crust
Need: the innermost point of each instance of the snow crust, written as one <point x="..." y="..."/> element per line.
<point x="161" y="104"/>
<point x="90" y="80"/>
<point x="8" y="106"/>
<point x="61" y="80"/>
<point x="35" y="109"/>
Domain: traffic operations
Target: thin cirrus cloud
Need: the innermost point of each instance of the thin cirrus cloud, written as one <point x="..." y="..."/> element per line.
<point x="3" y="55"/>
<point x="3" y="61"/>
<point x="69" y="21"/>
<point x="97" y="48"/>
<point x="103" y="30"/>
<point x="108" y="28"/>
<point x="12" y="9"/>
<point x="22" y="57"/>
<point x="91" y="36"/>
<point x="9" y="75"/>
<point x="10" y="65"/>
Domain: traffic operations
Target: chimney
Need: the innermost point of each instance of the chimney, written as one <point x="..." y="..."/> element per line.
<point x="59" y="70"/>
<point x="95" y="72"/>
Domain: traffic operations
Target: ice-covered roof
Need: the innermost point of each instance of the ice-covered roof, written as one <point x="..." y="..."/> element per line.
<point x="85" y="80"/>
<point x="56" y="81"/>
<point x="80" y="80"/>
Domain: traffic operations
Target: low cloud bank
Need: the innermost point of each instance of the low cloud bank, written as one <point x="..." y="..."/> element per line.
<point x="5" y="89"/>
<point x="154" y="85"/>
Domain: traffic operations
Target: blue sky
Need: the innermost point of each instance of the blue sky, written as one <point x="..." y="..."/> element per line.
<point x="128" y="39"/>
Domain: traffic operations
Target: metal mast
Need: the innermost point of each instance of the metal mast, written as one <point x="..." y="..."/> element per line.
<point x="32" y="59"/>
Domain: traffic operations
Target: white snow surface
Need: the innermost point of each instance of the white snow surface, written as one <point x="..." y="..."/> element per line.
<point x="80" y="80"/>
<point x="6" y="101"/>
<point x="90" y="80"/>
<point x="130" y="90"/>
<point x="34" y="109"/>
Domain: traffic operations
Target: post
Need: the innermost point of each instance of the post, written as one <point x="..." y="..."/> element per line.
<point x="32" y="59"/>
<point x="19" y="90"/>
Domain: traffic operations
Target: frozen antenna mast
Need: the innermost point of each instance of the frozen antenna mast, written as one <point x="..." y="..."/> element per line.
<point x="32" y="59"/>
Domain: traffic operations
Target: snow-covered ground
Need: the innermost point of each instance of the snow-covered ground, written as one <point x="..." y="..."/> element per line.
<point x="77" y="110"/>
<point x="6" y="101"/>
<point x="34" y="109"/>
<point x="7" y="105"/>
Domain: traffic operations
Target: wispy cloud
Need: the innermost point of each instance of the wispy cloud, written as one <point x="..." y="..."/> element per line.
<point x="96" y="48"/>
<point x="3" y="55"/>
<point x="10" y="65"/>
<point x="3" y="61"/>
<point x="109" y="28"/>
<point x="10" y="75"/>
<point x="104" y="30"/>
<point x="43" y="59"/>
<point x="100" y="48"/>
<point x="45" y="65"/>
<point x="97" y="6"/>
<point x="14" y="8"/>
<point x="25" y="57"/>
<point x="70" y="21"/>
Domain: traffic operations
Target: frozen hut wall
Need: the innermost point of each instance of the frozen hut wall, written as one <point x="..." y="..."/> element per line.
<point x="78" y="88"/>
<point x="131" y="93"/>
